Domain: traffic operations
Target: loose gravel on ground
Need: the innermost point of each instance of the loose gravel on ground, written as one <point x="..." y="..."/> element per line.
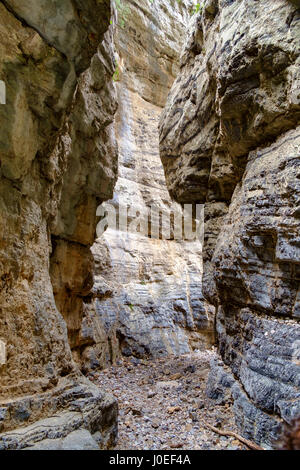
<point x="162" y="404"/>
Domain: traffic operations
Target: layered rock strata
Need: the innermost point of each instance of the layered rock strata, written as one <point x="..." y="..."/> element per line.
<point x="229" y="139"/>
<point x="146" y="292"/>
<point x="58" y="160"/>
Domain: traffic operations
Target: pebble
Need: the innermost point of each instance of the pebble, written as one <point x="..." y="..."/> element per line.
<point x="175" y="376"/>
<point x="155" y="423"/>
<point x="136" y="412"/>
<point x="173" y="412"/>
<point x="172" y="409"/>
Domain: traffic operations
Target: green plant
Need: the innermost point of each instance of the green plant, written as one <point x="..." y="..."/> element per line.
<point x="123" y="12"/>
<point x="198" y="8"/>
<point x="116" y="75"/>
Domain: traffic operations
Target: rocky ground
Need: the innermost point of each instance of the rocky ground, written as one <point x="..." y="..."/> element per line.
<point x="163" y="404"/>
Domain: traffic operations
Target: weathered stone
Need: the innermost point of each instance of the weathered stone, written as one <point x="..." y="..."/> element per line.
<point x="76" y="440"/>
<point x="45" y="164"/>
<point x="228" y="138"/>
<point x="219" y="383"/>
<point x="75" y="28"/>
<point x="72" y="409"/>
<point x="150" y="304"/>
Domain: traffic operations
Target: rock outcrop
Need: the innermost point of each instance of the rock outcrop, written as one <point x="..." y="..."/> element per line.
<point x="58" y="161"/>
<point x="229" y="139"/>
<point x="146" y="292"/>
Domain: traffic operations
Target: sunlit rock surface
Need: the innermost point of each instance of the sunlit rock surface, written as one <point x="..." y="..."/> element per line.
<point x="147" y="292"/>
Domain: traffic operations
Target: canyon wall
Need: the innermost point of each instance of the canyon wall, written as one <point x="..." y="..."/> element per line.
<point x="146" y="293"/>
<point x="229" y="139"/>
<point x="58" y="161"/>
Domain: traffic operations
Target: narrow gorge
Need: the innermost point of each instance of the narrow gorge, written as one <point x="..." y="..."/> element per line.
<point x="147" y="294"/>
<point x="135" y="332"/>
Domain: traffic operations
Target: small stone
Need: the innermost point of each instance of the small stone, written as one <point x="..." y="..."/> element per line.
<point x="176" y="445"/>
<point x="191" y="368"/>
<point x="151" y="394"/>
<point x="200" y="404"/>
<point x="167" y="384"/>
<point x="175" y="376"/>
<point x="193" y="416"/>
<point x="155" y="423"/>
<point x="235" y="442"/>
<point x="137" y="412"/>
<point x="172" y="409"/>
<point x="218" y="423"/>
<point x="135" y="361"/>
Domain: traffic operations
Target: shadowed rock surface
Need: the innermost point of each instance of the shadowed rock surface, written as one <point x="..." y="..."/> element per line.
<point x="58" y="160"/>
<point x="229" y="138"/>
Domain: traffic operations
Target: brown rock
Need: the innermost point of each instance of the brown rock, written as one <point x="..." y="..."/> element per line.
<point x="49" y="191"/>
<point x="155" y="423"/>
<point x="176" y="445"/>
<point x="173" y="409"/>
<point x="175" y="376"/>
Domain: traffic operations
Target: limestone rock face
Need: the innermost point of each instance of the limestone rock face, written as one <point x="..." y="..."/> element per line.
<point x="256" y="274"/>
<point x="58" y="159"/>
<point x="88" y="147"/>
<point x="69" y="26"/>
<point x="146" y="291"/>
<point x="229" y="138"/>
<point x="75" y="412"/>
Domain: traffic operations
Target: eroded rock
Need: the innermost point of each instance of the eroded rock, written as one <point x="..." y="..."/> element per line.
<point x="51" y="178"/>
<point x="229" y="138"/>
<point x="146" y="290"/>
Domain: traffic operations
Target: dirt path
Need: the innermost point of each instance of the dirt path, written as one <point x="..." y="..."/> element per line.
<point x="163" y="405"/>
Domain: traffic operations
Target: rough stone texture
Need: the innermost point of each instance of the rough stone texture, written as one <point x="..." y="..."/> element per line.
<point x="222" y="389"/>
<point x="162" y="404"/>
<point x="228" y="138"/>
<point x="257" y="281"/>
<point x="76" y="440"/>
<point x="146" y="292"/>
<point x="57" y="161"/>
<point x="89" y="149"/>
<point x="219" y="382"/>
<point x="73" y="27"/>
<point x="73" y="410"/>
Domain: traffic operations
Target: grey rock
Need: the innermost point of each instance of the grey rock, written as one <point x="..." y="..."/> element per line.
<point x="229" y="138"/>
<point x="152" y="305"/>
<point x="219" y="383"/>
<point x="49" y="191"/>
<point x="84" y="410"/>
<point x="76" y="440"/>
